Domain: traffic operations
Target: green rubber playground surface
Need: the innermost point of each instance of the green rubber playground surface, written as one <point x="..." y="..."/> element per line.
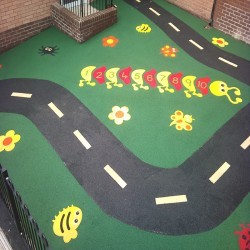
<point x="41" y="177"/>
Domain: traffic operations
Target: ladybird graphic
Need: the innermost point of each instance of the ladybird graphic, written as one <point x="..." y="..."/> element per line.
<point x="244" y="237"/>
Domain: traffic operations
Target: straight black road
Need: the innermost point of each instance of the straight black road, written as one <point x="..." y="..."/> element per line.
<point x="193" y="43"/>
<point x="194" y="197"/>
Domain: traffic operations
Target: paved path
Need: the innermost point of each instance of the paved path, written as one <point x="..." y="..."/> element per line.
<point x="193" y="43"/>
<point x="194" y="197"/>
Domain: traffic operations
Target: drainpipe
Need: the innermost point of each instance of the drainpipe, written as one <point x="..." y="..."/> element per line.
<point x="210" y="24"/>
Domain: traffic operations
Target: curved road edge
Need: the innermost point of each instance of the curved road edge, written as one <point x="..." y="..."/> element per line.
<point x="195" y="197"/>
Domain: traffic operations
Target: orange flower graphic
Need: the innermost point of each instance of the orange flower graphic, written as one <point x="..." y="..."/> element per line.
<point x="109" y="41"/>
<point x="7" y="142"/>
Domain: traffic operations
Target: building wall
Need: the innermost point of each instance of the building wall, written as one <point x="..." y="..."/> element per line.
<point x="14" y="13"/>
<point x="82" y="29"/>
<point x="233" y="18"/>
<point x="21" y="19"/>
<point x="200" y="8"/>
<point x="230" y="16"/>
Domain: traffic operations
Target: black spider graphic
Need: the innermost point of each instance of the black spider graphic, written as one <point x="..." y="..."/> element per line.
<point x="48" y="50"/>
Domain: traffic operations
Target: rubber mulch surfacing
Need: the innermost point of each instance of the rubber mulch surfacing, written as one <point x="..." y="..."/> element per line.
<point x="135" y="139"/>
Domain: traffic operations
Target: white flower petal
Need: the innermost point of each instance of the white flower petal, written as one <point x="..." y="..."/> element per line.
<point x="111" y="116"/>
<point x="126" y="117"/>
<point x="125" y="109"/>
<point x="118" y="121"/>
<point x="115" y="108"/>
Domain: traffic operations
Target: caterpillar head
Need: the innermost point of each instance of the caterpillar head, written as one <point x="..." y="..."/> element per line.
<point x="220" y="88"/>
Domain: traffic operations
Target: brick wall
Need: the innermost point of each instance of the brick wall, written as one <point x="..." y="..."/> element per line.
<point x="21" y="19"/>
<point x="233" y="18"/>
<point x="81" y="29"/>
<point x="200" y="8"/>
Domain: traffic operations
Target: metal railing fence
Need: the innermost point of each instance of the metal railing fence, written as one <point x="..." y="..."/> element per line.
<point x="26" y="225"/>
<point x="84" y="8"/>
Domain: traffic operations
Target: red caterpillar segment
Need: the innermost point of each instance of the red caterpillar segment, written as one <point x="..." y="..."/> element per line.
<point x="149" y="77"/>
<point x="98" y="74"/>
<point x="124" y="75"/>
<point x="202" y="84"/>
<point x="175" y="80"/>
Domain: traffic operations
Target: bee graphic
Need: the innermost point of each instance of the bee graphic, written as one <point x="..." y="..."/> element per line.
<point x="66" y="223"/>
<point x="143" y="28"/>
<point x="181" y="121"/>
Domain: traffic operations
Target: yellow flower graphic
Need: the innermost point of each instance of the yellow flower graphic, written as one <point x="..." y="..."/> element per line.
<point x="220" y="42"/>
<point x="119" y="114"/>
<point x="7" y="142"/>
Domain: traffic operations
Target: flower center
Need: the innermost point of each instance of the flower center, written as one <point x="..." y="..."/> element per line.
<point x="219" y="41"/>
<point x="110" y="41"/>
<point x="119" y="114"/>
<point x="7" y="141"/>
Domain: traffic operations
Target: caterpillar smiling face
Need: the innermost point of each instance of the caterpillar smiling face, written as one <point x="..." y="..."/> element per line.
<point x="219" y="88"/>
<point x="66" y="223"/>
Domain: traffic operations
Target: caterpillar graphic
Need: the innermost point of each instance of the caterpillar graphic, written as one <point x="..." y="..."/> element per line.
<point x="165" y="81"/>
<point x="66" y="223"/>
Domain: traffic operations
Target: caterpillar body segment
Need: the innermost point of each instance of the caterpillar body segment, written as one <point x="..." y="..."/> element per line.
<point x="86" y="74"/>
<point x="111" y="75"/>
<point x="188" y="83"/>
<point x="98" y="74"/>
<point x="162" y="78"/>
<point x="164" y="81"/>
<point x="136" y="75"/>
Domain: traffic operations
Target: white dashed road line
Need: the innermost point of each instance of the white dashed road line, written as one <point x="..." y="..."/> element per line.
<point x="23" y="95"/>
<point x="245" y="144"/>
<point x="228" y="62"/>
<point x="81" y="138"/>
<point x="115" y="176"/>
<point x="55" y="109"/>
<point x="220" y="171"/>
<point x="174" y="27"/>
<point x="154" y="11"/>
<point x="196" y="44"/>
<point x="170" y="199"/>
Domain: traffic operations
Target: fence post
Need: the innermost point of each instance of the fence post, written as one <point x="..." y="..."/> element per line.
<point x="26" y="225"/>
<point x="10" y="189"/>
<point x="81" y="8"/>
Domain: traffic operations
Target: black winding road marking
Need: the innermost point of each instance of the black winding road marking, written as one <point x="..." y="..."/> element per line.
<point x="181" y="34"/>
<point x="204" y="202"/>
